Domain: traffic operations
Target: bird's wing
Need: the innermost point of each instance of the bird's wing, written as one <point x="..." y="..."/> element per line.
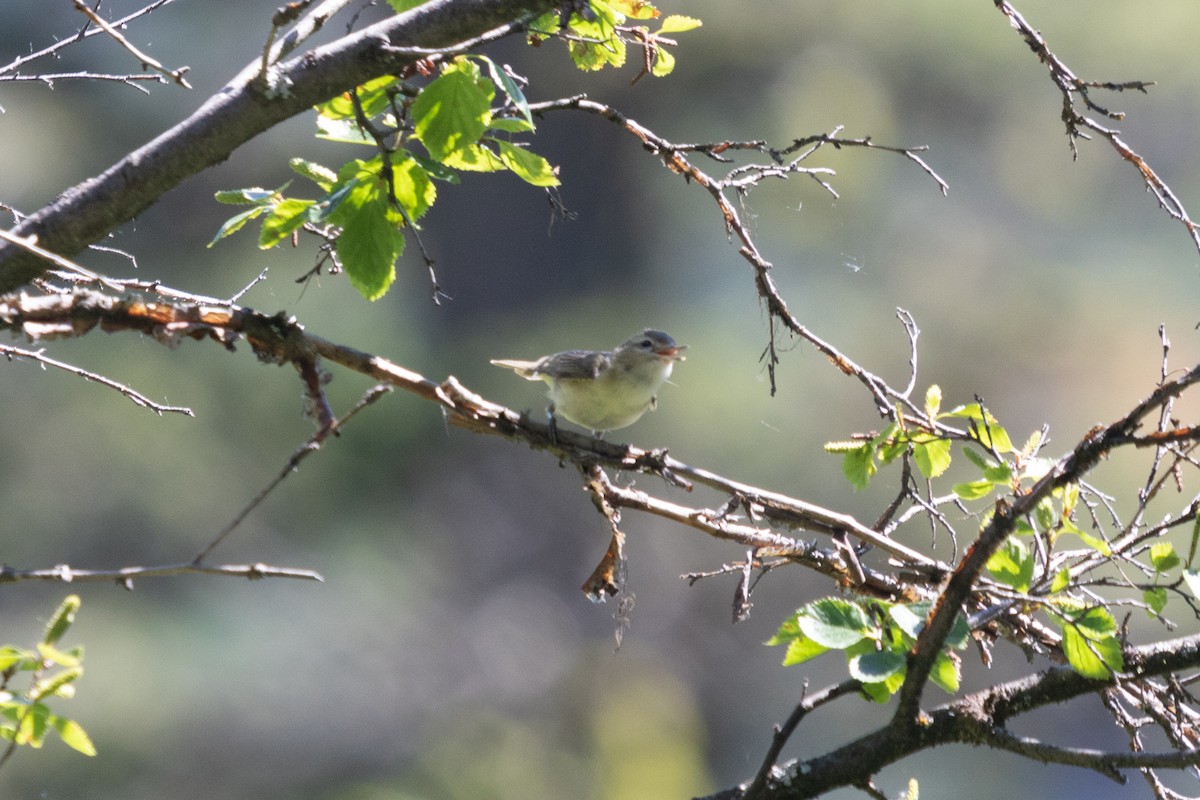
<point x="574" y="364"/>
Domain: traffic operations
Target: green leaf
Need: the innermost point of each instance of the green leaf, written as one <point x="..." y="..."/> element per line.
<point x="677" y="23"/>
<point x="453" y="111"/>
<point x="372" y="95"/>
<point x="877" y="666"/>
<point x="237" y="222"/>
<point x="245" y="197"/>
<point x="835" y="623"/>
<point x="878" y="692"/>
<point x="946" y="672"/>
<point x="1062" y="579"/>
<point x="62" y="619"/>
<point x="400" y="6"/>
<point x="14" y="656"/>
<point x="973" y="490"/>
<point x="788" y="631"/>
<point x="474" y="158"/>
<point x="73" y="735"/>
<point x="986" y="429"/>
<point x="415" y="192"/>
<point x="933" y="401"/>
<point x="1163" y="557"/>
<point x="1012" y="564"/>
<point x="286" y="217"/>
<point x="1094" y="542"/>
<point x="1156" y="598"/>
<point x="33" y="725"/>
<point x="1092" y="659"/>
<point x="1045" y="514"/>
<point x="512" y="89"/>
<point x="859" y="465"/>
<point x="801" y="650"/>
<point x="343" y="130"/>
<point x="510" y="125"/>
<point x="1094" y="622"/>
<point x="664" y="63"/>
<point x="933" y="457"/>
<point x="370" y="241"/>
<point x="529" y="167"/>
<point x="911" y="618"/>
<point x="598" y="45"/>
<point x="320" y="175"/>
<point x="63" y="658"/>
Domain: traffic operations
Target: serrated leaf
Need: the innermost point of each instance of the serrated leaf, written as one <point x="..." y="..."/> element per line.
<point x="245" y="197"/>
<point x="973" y="490"/>
<point x="835" y="623"/>
<point x="1163" y="557"/>
<point x="801" y="650"/>
<point x="1012" y="564"/>
<point x="286" y="217"/>
<point x="372" y="95"/>
<point x="415" y="192"/>
<point x="474" y="158"/>
<point x="1090" y="658"/>
<point x="62" y="619"/>
<point x="877" y="692"/>
<point x="664" y="63"/>
<point x="1156" y="598"/>
<point x="933" y="457"/>
<point x="1094" y="622"/>
<point x="877" y="666"/>
<point x="510" y="125"/>
<point x="976" y="458"/>
<point x="320" y="175"/>
<point x="788" y="630"/>
<point x="529" y="167"/>
<point x="946" y="672"/>
<point x="1062" y="579"/>
<point x="1045" y="515"/>
<point x="453" y="111"/>
<point x="1094" y="542"/>
<point x="859" y="465"/>
<point x="343" y="130"/>
<point x="677" y="23"/>
<point x="370" y="241"/>
<point x="933" y="401"/>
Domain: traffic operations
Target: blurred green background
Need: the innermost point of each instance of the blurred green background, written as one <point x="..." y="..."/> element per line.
<point x="450" y="654"/>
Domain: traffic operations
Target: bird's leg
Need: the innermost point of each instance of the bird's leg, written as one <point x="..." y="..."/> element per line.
<point x="552" y="421"/>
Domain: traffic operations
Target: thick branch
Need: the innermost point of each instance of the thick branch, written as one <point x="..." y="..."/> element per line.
<point x="246" y="107"/>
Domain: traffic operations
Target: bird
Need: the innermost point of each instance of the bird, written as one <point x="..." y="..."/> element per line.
<point x="604" y="390"/>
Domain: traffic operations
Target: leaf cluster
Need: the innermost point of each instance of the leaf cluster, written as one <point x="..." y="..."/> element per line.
<point x="465" y="113"/>
<point x="26" y="716"/>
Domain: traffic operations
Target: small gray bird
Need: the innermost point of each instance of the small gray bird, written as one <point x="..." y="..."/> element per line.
<point x="604" y="390"/>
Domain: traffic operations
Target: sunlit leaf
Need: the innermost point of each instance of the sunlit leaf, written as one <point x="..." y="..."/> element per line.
<point x="529" y="167"/>
<point x="835" y="623"/>
<point x="677" y="23"/>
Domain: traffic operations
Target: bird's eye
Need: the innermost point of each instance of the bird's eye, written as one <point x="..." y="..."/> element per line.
<point x="646" y="344"/>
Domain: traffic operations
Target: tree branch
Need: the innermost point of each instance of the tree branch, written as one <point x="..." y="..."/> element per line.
<point x="246" y="107"/>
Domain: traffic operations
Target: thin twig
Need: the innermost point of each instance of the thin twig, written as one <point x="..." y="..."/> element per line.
<point x="138" y="398"/>
<point x="147" y="62"/>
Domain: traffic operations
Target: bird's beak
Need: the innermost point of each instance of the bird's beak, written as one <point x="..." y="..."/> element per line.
<point x="672" y="353"/>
